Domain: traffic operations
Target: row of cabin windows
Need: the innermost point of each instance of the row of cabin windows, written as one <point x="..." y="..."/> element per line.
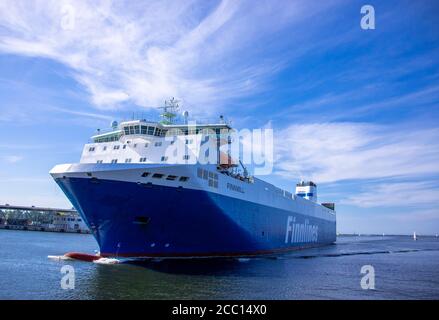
<point x="138" y="129"/>
<point x="159" y="175"/>
<point x="117" y="147"/>
<point x="185" y="157"/>
<point x="157" y="144"/>
<point x="169" y="177"/>
<point x="143" y="159"/>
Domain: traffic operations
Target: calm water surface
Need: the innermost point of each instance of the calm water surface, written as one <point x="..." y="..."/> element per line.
<point x="404" y="269"/>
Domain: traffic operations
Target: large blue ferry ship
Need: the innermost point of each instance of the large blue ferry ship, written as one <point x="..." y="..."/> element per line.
<point x="138" y="201"/>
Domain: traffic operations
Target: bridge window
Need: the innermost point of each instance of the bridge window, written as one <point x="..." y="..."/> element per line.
<point x="158" y="175"/>
<point x="171" y="177"/>
<point x="184" y="179"/>
<point x="145" y="174"/>
<point x="151" y="131"/>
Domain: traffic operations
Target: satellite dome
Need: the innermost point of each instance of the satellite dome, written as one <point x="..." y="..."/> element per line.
<point x="114" y="124"/>
<point x="185" y="114"/>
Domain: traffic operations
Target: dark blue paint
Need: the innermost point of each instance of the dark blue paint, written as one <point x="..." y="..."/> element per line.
<point x="183" y="222"/>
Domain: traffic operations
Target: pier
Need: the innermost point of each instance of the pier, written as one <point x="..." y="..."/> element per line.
<point x="41" y="219"/>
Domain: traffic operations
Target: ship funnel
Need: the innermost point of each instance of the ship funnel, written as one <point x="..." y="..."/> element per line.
<point x="307" y="190"/>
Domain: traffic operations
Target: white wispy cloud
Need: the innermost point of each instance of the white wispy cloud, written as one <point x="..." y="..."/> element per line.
<point x="328" y="152"/>
<point x="427" y="215"/>
<point x="145" y="52"/>
<point x="397" y="194"/>
<point x="354" y="104"/>
<point x="11" y="158"/>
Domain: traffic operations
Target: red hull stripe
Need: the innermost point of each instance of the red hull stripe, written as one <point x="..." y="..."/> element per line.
<point x="82" y="256"/>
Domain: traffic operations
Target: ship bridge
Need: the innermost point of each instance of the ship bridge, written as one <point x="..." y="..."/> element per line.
<point x="144" y="141"/>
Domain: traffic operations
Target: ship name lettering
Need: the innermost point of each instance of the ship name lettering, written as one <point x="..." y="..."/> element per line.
<point x="300" y="232"/>
<point x="234" y="188"/>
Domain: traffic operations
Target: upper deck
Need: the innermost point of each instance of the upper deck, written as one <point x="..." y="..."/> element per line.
<point x="156" y="129"/>
<point x="166" y="141"/>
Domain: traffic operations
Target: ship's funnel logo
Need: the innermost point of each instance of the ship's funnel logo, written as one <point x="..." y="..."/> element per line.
<point x="300" y="232"/>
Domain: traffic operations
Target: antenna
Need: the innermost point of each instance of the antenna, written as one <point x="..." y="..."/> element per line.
<point x="170" y="110"/>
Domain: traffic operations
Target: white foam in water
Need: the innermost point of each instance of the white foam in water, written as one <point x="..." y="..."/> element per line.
<point x="59" y="258"/>
<point x="106" y="261"/>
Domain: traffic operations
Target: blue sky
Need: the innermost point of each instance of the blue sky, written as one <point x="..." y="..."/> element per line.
<point x="355" y="110"/>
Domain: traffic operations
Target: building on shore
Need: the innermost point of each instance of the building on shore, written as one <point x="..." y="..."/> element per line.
<point x="41" y="219"/>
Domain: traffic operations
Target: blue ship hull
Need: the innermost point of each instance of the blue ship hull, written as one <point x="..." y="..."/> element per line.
<point x="144" y="220"/>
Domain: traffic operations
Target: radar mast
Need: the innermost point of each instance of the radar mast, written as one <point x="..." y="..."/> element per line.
<point x="170" y="110"/>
